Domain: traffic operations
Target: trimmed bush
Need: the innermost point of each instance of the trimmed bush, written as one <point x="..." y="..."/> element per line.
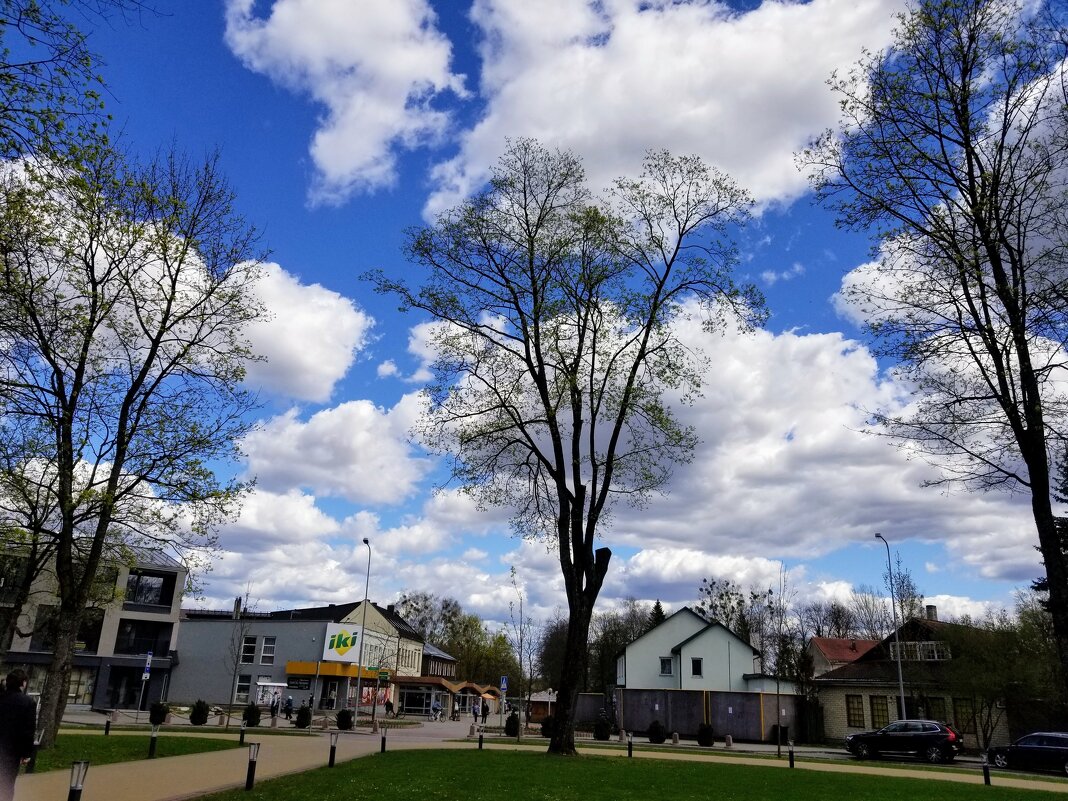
<point x="511" y="726"/>
<point x="657" y="732"/>
<point x="602" y="729"/>
<point x="157" y="713"/>
<point x="705" y="735"/>
<point x="548" y="726"/>
<point x="251" y="715"/>
<point x="344" y="719"/>
<point x="304" y="717"/>
<point x="198" y="715"/>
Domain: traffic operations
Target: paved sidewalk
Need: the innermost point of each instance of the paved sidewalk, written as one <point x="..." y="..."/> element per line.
<point x="193" y="775"/>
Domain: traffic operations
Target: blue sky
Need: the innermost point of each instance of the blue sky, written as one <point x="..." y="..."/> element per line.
<point x="341" y="123"/>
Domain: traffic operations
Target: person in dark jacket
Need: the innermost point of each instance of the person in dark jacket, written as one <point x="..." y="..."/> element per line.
<point x="18" y="718"/>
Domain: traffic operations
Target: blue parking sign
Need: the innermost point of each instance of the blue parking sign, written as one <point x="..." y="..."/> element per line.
<point x="504" y="684"/>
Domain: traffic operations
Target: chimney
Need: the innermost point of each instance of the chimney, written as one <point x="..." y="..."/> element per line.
<point x="853" y="645"/>
<point x="391" y="608"/>
<point x="237" y="608"/>
<point x="932" y="612"/>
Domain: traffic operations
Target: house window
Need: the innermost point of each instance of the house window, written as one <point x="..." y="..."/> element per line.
<point x="696" y="666"/>
<point x="964" y="715"/>
<point x="248" y="650"/>
<point x="880" y="712"/>
<point x="925" y="651"/>
<point x="665" y="666"/>
<point x="145" y="588"/>
<point x="936" y="708"/>
<point x="267" y="653"/>
<point x="855" y="711"/>
<point x="244" y="683"/>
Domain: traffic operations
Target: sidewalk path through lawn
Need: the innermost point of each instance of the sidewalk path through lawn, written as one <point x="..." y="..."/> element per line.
<point x="193" y="775"/>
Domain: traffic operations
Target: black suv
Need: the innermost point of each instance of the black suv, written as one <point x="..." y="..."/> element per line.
<point x="1042" y="750"/>
<point x="927" y="739"/>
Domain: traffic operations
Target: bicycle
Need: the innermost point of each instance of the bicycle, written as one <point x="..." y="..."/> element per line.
<point x="436" y="715"/>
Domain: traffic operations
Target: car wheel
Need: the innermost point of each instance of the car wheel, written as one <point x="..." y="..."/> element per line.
<point x="1066" y="768"/>
<point x="864" y="751"/>
<point x="1002" y="761"/>
<point x="934" y="754"/>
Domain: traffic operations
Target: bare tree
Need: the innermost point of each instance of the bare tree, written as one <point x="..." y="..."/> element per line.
<point x="870" y="612"/>
<point x="555" y="352"/>
<point x="124" y="296"/>
<point x="953" y="148"/>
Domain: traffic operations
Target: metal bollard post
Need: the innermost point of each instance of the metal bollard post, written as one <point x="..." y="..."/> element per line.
<point x="333" y="747"/>
<point x="31" y="766"/>
<point x="480" y="741"/>
<point x="241" y="739"/>
<point x="107" y="725"/>
<point x="384" y="730"/>
<point x="986" y="769"/>
<point x="630" y="743"/>
<point x="791" y="743"/>
<point x="152" y="742"/>
<point x="78" y="772"/>
<point x="253" y="755"/>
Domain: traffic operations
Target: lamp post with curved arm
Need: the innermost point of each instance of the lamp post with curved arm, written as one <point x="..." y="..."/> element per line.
<point x="897" y="636"/>
<point x="363" y="631"/>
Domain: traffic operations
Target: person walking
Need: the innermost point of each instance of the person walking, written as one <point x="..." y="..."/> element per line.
<point x="485" y="712"/>
<point x="474" y="710"/>
<point x="18" y="717"/>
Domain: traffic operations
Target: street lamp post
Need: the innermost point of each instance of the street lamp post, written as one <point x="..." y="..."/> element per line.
<point x="897" y="635"/>
<point x="363" y="631"/>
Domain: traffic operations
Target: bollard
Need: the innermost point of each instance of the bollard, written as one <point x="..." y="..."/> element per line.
<point x="384" y="730"/>
<point x="728" y="741"/>
<point x="675" y="738"/>
<point x="107" y="726"/>
<point x="630" y="743"/>
<point x="333" y="748"/>
<point x="241" y="738"/>
<point x="152" y="742"/>
<point x="480" y="741"/>
<point x="31" y="766"/>
<point x="253" y="755"/>
<point x="78" y="772"/>
<point x="986" y="769"/>
<point x="791" y="744"/>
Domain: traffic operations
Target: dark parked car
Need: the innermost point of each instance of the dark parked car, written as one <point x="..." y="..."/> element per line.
<point x="927" y="739"/>
<point x="1042" y="750"/>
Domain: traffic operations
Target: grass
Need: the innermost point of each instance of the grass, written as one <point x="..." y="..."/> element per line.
<point x="104" y="750"/>
<point x="497" y="775"/>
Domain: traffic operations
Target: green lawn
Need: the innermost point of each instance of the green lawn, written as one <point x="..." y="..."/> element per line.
<point x="100" y="750"/>
<point x="507" y="776"/>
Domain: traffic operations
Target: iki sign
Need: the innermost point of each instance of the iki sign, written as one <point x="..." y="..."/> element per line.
<point x="342" y="643"/>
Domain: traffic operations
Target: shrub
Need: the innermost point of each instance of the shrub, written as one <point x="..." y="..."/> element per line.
<point x="251" y="715"/>
<point x="198" y="715"/>
<point x="602" y="729"/>
<point x="704" y="735"/>
<point x="657" y="732"/>
<point x="548" y="726"/>
<point x="157" y="713"/>
<point x="304" y="717"/>
<point x="344" y="719"/>
<point x="511" y="726"/>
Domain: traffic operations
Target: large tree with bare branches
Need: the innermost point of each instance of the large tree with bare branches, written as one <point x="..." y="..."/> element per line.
<point x="556" y="356"/>
<point x="125" y="291"/>
<point x="953" y="148"/>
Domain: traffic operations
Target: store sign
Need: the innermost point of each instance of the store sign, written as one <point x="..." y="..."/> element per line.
<point x="342" y="643"/>
<point x="294" y="683"/>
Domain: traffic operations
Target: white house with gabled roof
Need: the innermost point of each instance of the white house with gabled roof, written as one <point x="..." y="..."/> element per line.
<point x="688" y="652"/>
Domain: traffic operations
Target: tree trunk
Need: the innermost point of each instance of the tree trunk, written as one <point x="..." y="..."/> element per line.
<point x="1053" y="555"/>
<point x="57" y="682"/>
<point x="581" y="600"/>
